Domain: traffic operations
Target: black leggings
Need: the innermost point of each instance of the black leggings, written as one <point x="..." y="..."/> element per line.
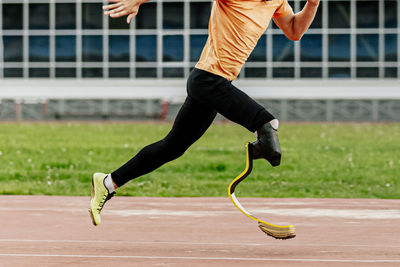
<point x="207" y="94"/>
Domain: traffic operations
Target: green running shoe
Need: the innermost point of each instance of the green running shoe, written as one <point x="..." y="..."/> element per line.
<point x="100" y="196"/>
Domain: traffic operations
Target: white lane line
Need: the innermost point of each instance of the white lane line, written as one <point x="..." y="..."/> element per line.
<point x="362" y="214"/>
<point x="193" y="243"/>
<point x="201" y="258"/>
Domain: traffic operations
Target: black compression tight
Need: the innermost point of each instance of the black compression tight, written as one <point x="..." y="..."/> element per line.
<point x="207" y="95"/>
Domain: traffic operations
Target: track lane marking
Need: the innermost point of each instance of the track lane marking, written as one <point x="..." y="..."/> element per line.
<point x="191" y="243"/>
<point x="201" y="258"/>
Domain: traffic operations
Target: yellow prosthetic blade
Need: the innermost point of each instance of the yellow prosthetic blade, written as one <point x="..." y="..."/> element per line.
<point x="276" y="231"/>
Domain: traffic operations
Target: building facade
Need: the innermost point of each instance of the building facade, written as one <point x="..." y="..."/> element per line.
<point x="73" y="39"/>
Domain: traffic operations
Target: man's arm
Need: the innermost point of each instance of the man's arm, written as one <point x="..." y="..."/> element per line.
<point x="295" y="25"/>
<point x="121" y="8"/>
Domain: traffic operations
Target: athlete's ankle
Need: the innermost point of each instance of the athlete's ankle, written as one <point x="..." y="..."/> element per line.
<point x="109" y="184"/>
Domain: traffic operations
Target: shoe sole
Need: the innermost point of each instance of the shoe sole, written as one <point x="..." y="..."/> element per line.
<point x="90" y="210"/>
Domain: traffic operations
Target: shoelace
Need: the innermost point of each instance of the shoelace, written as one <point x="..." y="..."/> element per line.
<point x="104" y="200"/>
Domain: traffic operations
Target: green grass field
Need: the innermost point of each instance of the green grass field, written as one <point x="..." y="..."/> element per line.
<point x="319" y="160"/>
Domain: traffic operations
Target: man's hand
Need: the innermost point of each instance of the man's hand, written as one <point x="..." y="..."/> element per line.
<point x="121" y="8"/>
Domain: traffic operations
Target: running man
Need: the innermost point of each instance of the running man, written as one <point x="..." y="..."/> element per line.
<point x="234" y="29"/>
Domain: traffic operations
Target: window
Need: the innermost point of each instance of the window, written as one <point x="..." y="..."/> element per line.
<point x="38" y="16"/>
<point x="173" y="48"/>
<point x="118" y="48"/>
<point x="173" y="15"/>
<point x="311" y="47"/>
<point x="339" y="14"/>
<point x="12" y="46"/>
<point x="12" y="16"/>
<point x="197" y="43"/>
<point x="283" y="48"/>
<point x="339" y="47"/>
<point x="367" y="14"/>
<point x="65" y="48"/>
<point x="65" y="16"/>
<point x="38" y="48"/>
<point x="92" y="16"/>
<point x="147" y="17"/>
<point x="92" y="48"/>
<point x="260" y="51"/>
<point x="367" y="47"/>
<point x="199" y="15"/>
<point x="146" y="48"/>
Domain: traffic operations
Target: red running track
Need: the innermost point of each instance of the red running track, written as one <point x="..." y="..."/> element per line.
<point x="57" y="231"/>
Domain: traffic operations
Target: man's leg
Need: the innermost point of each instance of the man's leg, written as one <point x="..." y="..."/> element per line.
<point x="190" y="124"/>
<point x="219" y="94"/>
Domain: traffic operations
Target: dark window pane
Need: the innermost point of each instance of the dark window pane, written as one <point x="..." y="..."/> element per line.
<point x="13" y="73"/>
<point x="283" y="73"/>
<point x="65" y="48"/>
<point x="65" y="16"/>
<point x="12" y="16"/>
<point x="173" y="48"/>
<point x="367" y="14"/>
<point x="92" y="72"/>
<point x="311" y="47"/>
<point x="391" y="47"/>
<point x="147" y="17"/>
<point x="119" y="48"/>
<point x="197" y="43"/>
<point x="39" y="73"/>
<point x="38" y="16"/>
<point x="255" y="72"/>
<point x="367" y="72"/>
<point x="283" y="48"/>
<point x="311" y="72"/>
<point x="390" y="14"/>
<point x="92" y="48"/>
<point x="173" y="15"/>
<point x="199" y="15"/>
<point x="39" y="48"/>
<point x="146" y="48"/>
<point x="146" y="72"/>
<point x="12" y="48"/>
<point x="92" y="16"/>
<point x="317" y="22"/>
<point x="339" y="14"/>
<point x="390" y="72"/>
<point x="119" y="23"/>
<point x="260" y="51"/>
<point x="339" y="47"/>
<point x="172" y="72"/>
<point x="118" y="72"/>
<point x="367" y="47"/>
<point x="65" y="72"/>
<point x="339" y="72"/>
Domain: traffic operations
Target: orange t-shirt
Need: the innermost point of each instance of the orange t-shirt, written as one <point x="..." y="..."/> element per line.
<point x="234" y="29"/>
